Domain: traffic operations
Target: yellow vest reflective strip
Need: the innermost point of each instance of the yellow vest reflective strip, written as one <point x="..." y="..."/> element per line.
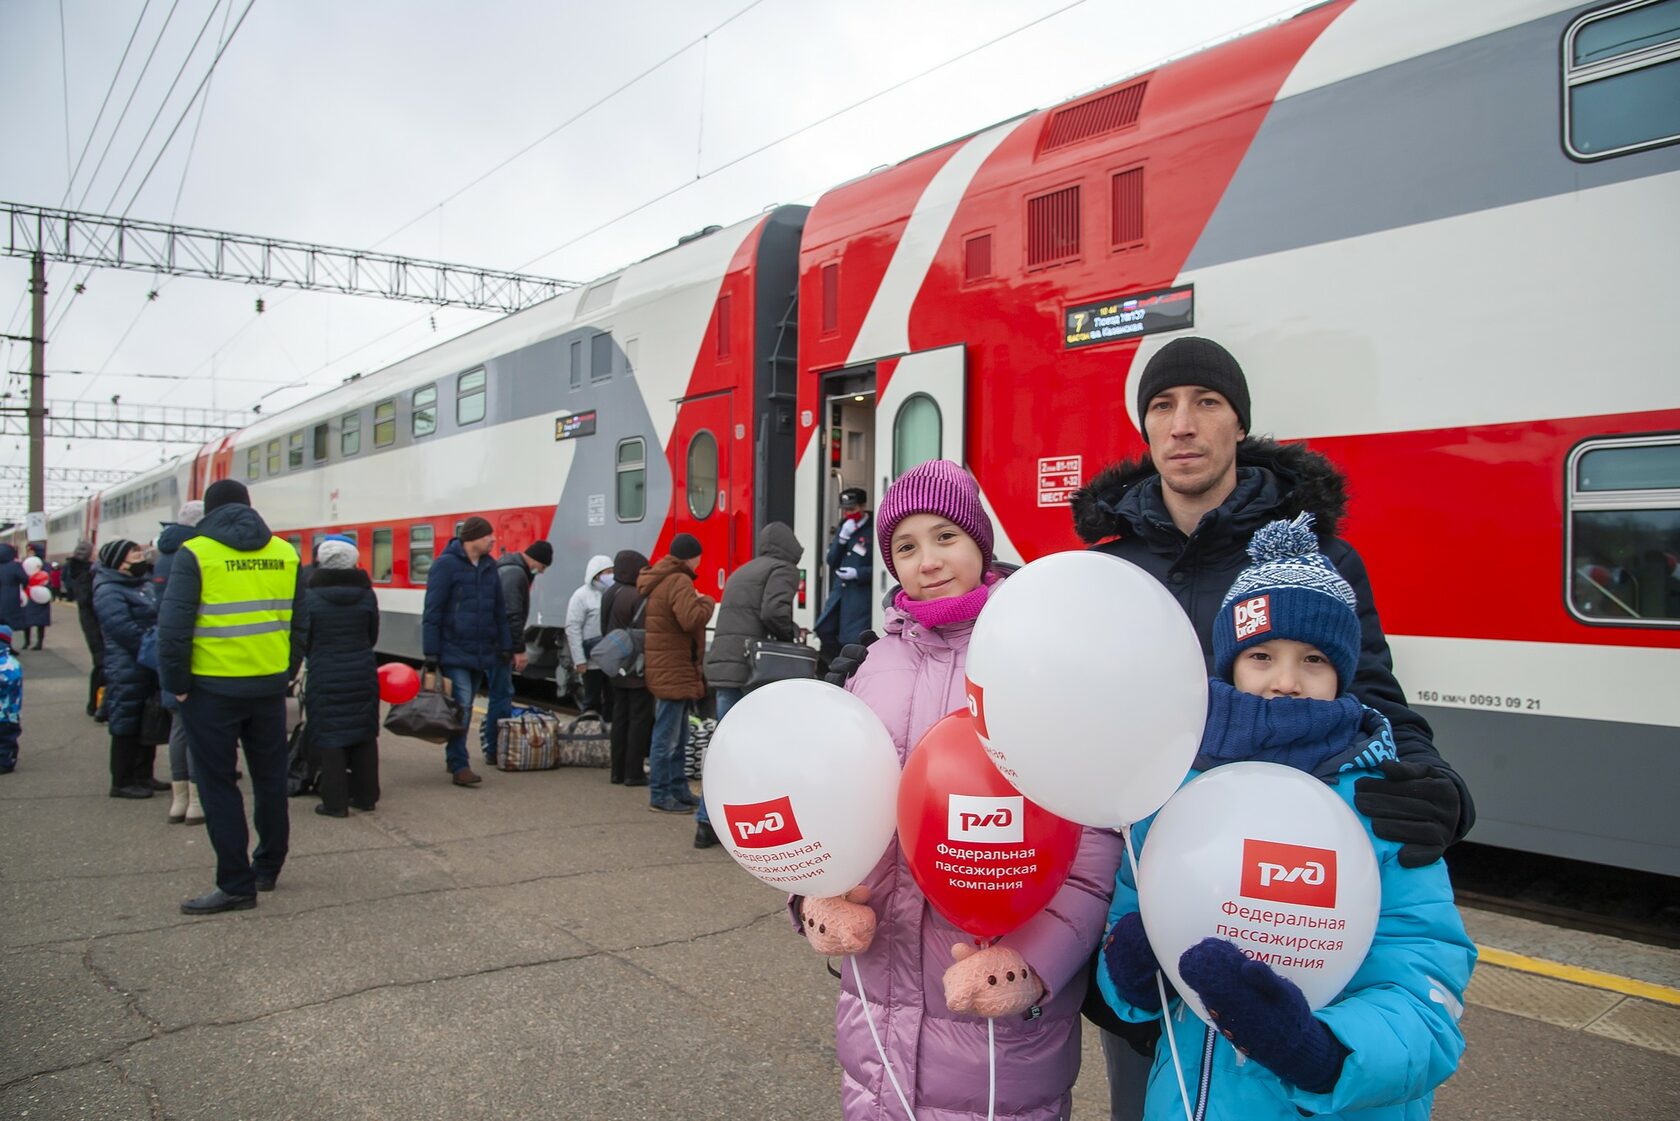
<point x="243" y="628"/>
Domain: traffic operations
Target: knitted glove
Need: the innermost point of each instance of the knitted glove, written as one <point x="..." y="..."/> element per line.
<point x="846" y="572"/>
<point x="849" y="660"/>
<point x="1131" y="964"/>
<point x="1263" y="1015"/>
<point x="848" y="529"/>
<point x="1413" y="804"/>
<point x="992" y="982"/>
<point x="839" y="925"/>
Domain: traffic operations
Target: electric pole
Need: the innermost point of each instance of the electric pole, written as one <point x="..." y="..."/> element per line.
<point x="37" y="392"/>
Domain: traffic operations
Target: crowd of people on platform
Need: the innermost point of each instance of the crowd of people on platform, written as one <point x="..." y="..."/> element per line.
<point x="218" y="628"/>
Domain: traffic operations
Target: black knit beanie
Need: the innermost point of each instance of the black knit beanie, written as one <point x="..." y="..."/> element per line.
<point x="685" y="546"/>
<point x="1193" y="361"/>
<point x="225" y="492"/>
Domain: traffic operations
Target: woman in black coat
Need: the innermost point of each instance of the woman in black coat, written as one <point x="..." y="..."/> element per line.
<point x="127" y="610"/>
<point x="341" y="694"/>
<point x="632" y="724"/>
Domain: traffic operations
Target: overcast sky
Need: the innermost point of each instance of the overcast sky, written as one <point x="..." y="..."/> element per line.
<point x="350" y="123"/>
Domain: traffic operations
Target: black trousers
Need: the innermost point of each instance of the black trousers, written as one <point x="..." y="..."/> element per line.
<point x="632" y="734"/>
<point x="350" y="776"/>
<point x="131" y="763"/>
<point x="216" y="725"/>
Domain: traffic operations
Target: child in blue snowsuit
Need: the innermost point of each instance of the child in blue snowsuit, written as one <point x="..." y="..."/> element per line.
<point x="1286" y="642"/>
<point x="11" y="702"/>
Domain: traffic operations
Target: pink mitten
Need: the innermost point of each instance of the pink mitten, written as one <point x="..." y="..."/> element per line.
<point x="992" y="982"/>
<point x="839" y="925"/>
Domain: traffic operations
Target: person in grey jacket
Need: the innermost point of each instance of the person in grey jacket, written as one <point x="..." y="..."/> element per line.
<point x="757" y="604"/>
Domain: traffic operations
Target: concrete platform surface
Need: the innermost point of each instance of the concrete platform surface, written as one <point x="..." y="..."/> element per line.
<point x="541" y="946"/>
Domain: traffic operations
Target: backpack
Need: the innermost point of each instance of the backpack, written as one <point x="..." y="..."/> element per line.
<point x="621" y="652"/>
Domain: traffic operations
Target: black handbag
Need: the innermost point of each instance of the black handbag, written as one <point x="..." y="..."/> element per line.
<point x="769" y="660"/>
<point x="433" y="715"/>
<point x="155" y="721"/>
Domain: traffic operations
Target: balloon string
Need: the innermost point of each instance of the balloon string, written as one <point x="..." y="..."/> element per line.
<point x="1161" y="987"/>
<point x="857" y="977"/>
<point x="991" y="1070"/>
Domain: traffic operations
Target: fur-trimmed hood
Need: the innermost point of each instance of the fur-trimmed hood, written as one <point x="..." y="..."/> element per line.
<point x="339" y="578"/>
<point x="1300" y="480"/>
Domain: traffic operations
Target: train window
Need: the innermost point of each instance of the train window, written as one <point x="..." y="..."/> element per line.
<point x="576" y="355"/>
<point x="384" y="424"/>
<point x="1621" y="77"/>
<point x="322" y="435"/>
<point x="725" y="305"/>
<point x="469" y="397"/>
<point x="253" y="463"/>
<point x="350" y="434"/>
<point x="916" y="433"/>
<point x="600" y="357"/>
<point x="314" y="546"/>
<point x="420" y="545"/>
<point x="702" y="474"/>
<point x="631" y="348"/>
<point x="274" y="457"/>
<point x="1624" y="531"/>
<point x="381" y="567"/>
<point x="425" y="410"/>
<point x="632" y="479"/>
<point x="294" y="451"/>
<point x="831" y="298"/>
<point x="295" y="540"/>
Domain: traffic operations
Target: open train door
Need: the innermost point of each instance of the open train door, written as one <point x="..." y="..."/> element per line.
<point x="921" y="413"/>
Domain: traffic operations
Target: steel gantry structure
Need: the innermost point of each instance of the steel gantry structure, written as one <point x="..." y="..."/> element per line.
<point x="45" y="234"/>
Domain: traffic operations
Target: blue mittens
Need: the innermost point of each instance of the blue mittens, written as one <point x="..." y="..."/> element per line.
<point x="1263" y="1015"/>
<point x="1131" y="963"/>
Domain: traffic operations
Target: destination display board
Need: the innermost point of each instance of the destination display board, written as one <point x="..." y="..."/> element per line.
<point x="1128" y="317"/>
<point x="575" y="425"/>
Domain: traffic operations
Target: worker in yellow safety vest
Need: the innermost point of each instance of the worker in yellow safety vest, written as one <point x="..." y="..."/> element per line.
<point x="228" y="647"/>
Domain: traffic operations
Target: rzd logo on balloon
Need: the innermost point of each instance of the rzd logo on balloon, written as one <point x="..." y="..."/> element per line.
<point x="763" y="825"/>
<point x="986" y="821"/>
<point x="977" y="708"/>
<point x="1289" y="873"/>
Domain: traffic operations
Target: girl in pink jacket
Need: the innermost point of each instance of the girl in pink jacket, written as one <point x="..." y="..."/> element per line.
<point x="929" y="992"/>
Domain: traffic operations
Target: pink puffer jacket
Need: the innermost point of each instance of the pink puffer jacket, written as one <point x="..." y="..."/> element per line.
<point x="914" y="676"/>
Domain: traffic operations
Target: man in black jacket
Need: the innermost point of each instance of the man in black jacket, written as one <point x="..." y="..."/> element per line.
<point x="515" y="571"/>
<point x="1185" y="515"/>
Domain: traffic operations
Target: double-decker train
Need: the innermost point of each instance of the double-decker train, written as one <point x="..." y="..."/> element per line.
<point x="1439" y="237"/>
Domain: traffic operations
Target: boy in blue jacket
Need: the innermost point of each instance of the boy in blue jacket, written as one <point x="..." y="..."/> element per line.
<point x="11" y="702"/>
<point x="1286" y="642"/>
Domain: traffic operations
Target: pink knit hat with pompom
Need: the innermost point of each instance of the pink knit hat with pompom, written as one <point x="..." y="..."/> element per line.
<point x="936" y="487"/>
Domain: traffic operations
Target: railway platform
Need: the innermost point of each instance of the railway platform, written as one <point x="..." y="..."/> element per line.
<point x="543" y="946"/>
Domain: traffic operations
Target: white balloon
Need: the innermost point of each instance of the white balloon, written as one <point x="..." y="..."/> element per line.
<point x="32" y="564"/>
<point x="801" y="784"/>
<point x="40" y="593"/>
<point x="1088" y="687"/>
<point x="1261" y="855"/>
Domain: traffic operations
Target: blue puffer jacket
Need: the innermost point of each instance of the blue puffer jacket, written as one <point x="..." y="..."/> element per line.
<point x="169" y="541"/>
<point x="126" y="610"/>
<point x="464" y="621"/>
<point x="1398" y="1017"/>
<point x="13" y="582"/>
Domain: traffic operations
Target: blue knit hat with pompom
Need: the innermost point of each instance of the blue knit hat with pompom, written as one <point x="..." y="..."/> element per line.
<point x="1290" y="591"/>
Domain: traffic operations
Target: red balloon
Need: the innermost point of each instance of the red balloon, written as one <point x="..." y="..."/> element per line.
<point x="398" y="683"/>
<point x="38" y="578"/>
<point x="986" y="857"/>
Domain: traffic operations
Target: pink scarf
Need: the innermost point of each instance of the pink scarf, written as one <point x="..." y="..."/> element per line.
<point x="952" y="609"/>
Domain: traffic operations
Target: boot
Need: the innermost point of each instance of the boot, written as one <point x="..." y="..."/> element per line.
<point x="178" y="807"/>
<point x="195" y="812"/>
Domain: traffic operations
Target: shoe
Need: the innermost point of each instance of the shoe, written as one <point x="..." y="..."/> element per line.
<point x="215" y="902"/>
<point x="635" y="782"/>
<point x="363" y="809"/>
<point x="325" y="812"/>
<point x="265" y="883"/>
<point x="131" y="792"/>
<point x="490" y="761"/>
<point x="668" y="807"/>
<point x="195" y="809"/>
<point x="91" y="710"/>
<point x="687" y="798"/>
<point x="465" y="777"/>
<point x="101" y="716"/>
<point x="178" y="806"/>
<point x="8" y="768"/>
<point x="704" y="836"/>
<point x="155" y="784"/>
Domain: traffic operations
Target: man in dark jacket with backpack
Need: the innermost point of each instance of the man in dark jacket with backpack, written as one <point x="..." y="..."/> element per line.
<point x="464" y="629"/>
<point x="1185" y="514"/>
<point x="515" y="571"/>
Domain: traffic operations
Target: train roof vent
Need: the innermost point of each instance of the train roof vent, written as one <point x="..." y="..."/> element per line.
<point x="1104" y="113"/>
<point x="1053" y="227"/>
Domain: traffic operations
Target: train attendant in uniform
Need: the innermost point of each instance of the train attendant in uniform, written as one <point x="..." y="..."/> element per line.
<point x="847" y="612"/>
<point x="228" y="645"/>
<point x="937" y="540"/>
<point x="464" y="631"/>
<point x="1184" y="514"/>
<point x="1379" y="1049"/>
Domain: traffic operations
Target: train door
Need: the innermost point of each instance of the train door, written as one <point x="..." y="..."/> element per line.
<point x="884" y="419"/>
<point x="701" y="493"/>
